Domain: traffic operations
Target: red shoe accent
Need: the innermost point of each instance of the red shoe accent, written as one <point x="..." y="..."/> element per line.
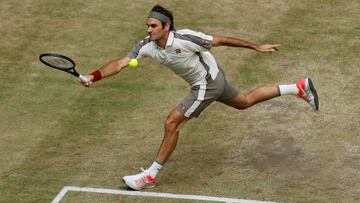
<point x="146" y="182"/>
<point x="301" y="86"/>
<point x="150" y="179"/>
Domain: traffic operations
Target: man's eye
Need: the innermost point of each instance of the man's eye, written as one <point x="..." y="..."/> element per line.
<point x="152" y="26"/>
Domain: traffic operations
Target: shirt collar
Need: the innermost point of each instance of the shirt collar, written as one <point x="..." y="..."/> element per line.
<point x="169" y="42"/>
<point x="170" y="39"/>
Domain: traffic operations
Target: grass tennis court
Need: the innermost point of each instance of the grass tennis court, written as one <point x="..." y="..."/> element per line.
<point x="55" y="132"/>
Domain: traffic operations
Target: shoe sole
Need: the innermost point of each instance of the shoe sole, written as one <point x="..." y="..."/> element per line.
<point x="136" y="188"/>
<point x="133" y="188"/>
<point x="313" y="91"/>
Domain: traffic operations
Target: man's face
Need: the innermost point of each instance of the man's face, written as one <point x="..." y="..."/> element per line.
<point x="155" y="29"/>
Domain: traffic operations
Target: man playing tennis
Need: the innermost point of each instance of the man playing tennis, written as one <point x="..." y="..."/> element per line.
<point x="186" y="53"/>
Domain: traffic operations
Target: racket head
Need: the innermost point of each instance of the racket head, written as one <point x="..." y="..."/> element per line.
<point x="57" y="61"/>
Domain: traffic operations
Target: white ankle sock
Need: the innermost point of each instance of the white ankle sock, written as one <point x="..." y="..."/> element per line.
<point x="288" y="89"/>
<point x="154" y="169"/>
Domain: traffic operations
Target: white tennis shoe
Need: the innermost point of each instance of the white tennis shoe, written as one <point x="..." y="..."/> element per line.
<point x="140" y="181"/>
<point x="308" y="92"/>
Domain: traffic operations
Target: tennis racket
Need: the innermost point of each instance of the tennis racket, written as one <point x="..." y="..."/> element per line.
<point x="61" y="62"/>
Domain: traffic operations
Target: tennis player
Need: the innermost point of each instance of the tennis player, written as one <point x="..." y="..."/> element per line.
<point x="187" y="54"/>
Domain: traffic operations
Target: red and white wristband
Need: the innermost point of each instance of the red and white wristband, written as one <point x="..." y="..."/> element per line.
<point x="97" y="75"/>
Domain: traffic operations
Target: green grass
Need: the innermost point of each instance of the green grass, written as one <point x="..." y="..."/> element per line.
<point x="55" y="132"/>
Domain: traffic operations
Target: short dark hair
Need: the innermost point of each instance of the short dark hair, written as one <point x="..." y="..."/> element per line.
<point x="158" y="8"/>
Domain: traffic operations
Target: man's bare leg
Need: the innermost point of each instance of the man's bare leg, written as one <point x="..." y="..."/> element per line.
<point x="172" y="125"/>
<point x="302" y="88"/>
<point x="260" y="94"/>
<point x="146" y="179"/>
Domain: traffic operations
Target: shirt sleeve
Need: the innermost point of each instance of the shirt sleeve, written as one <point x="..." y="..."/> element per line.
<point x="200" y="42"/>
<point x="135" y="51"/>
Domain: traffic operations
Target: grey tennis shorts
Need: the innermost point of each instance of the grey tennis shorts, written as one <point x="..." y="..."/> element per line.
<point x="201" y="96"/>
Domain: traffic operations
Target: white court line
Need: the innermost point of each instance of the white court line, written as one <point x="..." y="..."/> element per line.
<point x="66" y="189"/>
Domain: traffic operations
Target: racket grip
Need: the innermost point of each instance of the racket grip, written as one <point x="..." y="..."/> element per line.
<point x="83" y="78"/>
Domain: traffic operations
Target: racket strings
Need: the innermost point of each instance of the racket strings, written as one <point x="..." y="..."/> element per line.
<point x="58" y="62"/>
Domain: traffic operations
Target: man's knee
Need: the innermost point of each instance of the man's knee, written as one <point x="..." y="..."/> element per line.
<point x="170" y="124"/>
<point x="240" y="102"/>
<point x="173" y="121"/>
<point x="243" y="106"/>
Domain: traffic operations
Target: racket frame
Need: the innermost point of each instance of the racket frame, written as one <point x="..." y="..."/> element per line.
<point x="70" y="70"/>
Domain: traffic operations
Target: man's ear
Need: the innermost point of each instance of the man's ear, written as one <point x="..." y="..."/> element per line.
<point x="167" y="26"/>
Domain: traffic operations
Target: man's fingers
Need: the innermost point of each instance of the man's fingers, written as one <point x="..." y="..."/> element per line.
<point x="86" y="84"/>
<point x="268" y="48"/>
<point x="274" y="47"/>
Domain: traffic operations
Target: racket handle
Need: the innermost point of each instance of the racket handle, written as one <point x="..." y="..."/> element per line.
<point x="83" y="78"/>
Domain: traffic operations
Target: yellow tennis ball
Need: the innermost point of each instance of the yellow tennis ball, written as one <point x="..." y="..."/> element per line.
<point x="133" y="63"/>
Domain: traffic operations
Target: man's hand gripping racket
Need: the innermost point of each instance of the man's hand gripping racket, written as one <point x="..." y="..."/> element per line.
<point x="63" y="63"/>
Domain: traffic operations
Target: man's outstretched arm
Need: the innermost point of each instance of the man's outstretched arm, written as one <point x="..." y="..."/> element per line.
<point x="233" y="42"/>
<point x="107" y="70"/>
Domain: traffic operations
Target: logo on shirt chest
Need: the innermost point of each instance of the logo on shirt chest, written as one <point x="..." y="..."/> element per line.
<point x="177" y="51"/>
